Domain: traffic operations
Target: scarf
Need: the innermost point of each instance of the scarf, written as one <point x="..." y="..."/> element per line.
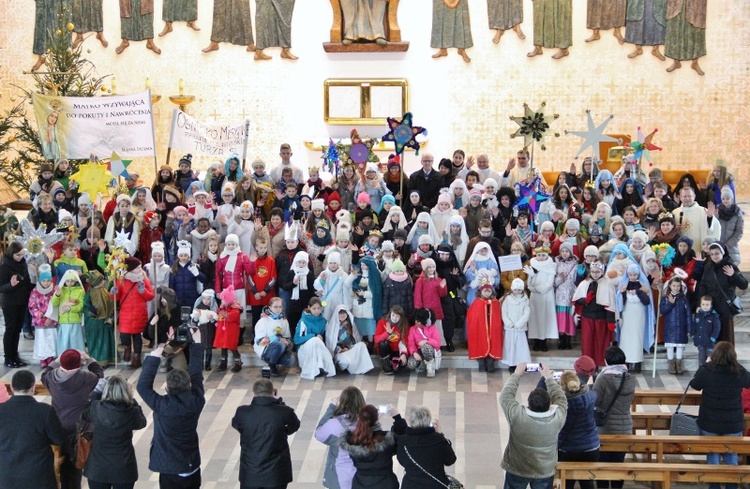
<point x="102" y="302"/>
<point x="726" y="213"/>
<point x="232" y="261"/>
<point x="300" y="272"/>
<point x="44" y="290"/>
<point x="198" y="235"/>
<point x="273" y="231"/>
<point x="134" y="277"/>
<point x="211" y="256"/>
<point x="398" y="278"/>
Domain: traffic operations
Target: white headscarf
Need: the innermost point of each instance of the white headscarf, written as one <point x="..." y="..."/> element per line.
<point x="401" y="222"/>
<point x="480" y="246"/>
<point x="300" y="272"/>
<point x="232" y="262"/>
<point x="424" y="217"/>
<point x="332" y="328"/>
<point x="461" y="250"/>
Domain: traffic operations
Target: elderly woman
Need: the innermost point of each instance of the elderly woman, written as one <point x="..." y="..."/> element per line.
<point x="720" y="280"/>
<point x="424" y="451"/>
<point x="732" y="221"/>
<point x="721" y="381"/>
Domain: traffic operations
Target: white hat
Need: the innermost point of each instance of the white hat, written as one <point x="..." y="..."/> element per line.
<point x="342" y="235"/>
<point x="157" y="247"/>
<point x="63" y="214"/>
<point x="490" y="182"/>
<point x="290" y="232"/>
<point x="387" y="246"/>
<point x="371" y="167"/>
<point x="84" y="199"/>
<point x="246" y="206"/>
<point x="183" y="247"/>
<point x="122" y="197"/>
<point x="232" y="238"/>
<point x="426" y="239"/>
<point x="200" y="192"/>
<point x="227" y="189"/>
<point x="318" y="204"/>
<point x="208" y="293"/>
<point x="334" y="257"/>
<point x="517" y="284"/>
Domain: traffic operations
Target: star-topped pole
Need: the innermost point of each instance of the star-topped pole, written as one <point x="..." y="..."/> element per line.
<point x="92" y="177"/>
<point x="117" y="166"/>
<point x="534" y="125"/>
<point x="643" y="148"/>
<point x="593" y="136"/>
<point x="404" y="134"/>
<point x="359" y="152"/>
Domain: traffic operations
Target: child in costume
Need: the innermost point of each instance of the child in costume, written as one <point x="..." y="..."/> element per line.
<point x="429" y="289"/>
<point x="228" y="329"/>
<point x="273" y="342"/>
<point x="45" y="328"/>
<point x="516" y="312"/>
<point x="424" y="343"/>
<point x="565" y="286"/>
<point x="636" y="332"/>
<point x="158" y="272"/>
<point x="68" y="298"/>
<point x="484" y="325"/>
<point x="366" y="288"/>
<point x="329" y="286"/>
<point x="312" y="354"/>
<point x="199" y="236"/>
<point x="674" y="306"/>
<point x="231" y="269"/>
<point x="705" y="329"/>
<point x="390" y="340"/>
<point x="480" y="267"/>
<point x="151" y="233"/>
<point x="261" y="283"/>
<point x="345" y="344"/>
<point x="98" y="315"/>
<point x="595" y="306"/>
<point x="243" y="225"/>
<point x="317" y="244"/>
<point x="205" y="315"/>
<point x="299" y="282"/>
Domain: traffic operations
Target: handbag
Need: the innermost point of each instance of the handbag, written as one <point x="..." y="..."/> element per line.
<point x="83" y="446"/>
<point x="734" y="305"/>
<point x="684" y="424"/>
<point x="453" y="483"/>
<point x="600" y="416"/>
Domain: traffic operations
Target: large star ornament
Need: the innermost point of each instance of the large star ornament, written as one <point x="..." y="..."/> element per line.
<point x="533" y="125"/>
<point x="643" y="146"/>
<point x="359" y="152"/>
<point x="122" y="239"/>
<point x="92" y="178"/>
<point x="531" y="195"/>
<point x="403" y="133"/>
<point x="117" y="166"/>
<point x="37" y="240"/>
<point x="593" y="136"/>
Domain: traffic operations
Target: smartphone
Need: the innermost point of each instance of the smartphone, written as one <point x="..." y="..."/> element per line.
<point x="532" y="367"/>
<point x="383" y="409"/>
<point x="557" y="376"/>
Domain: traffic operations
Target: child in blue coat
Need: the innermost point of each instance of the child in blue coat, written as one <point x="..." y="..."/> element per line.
<point x="675" y="307"/>
<point x="705" y="328"/>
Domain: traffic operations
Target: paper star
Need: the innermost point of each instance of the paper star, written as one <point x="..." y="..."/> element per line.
<point x="122" y="239"/>
<point x="643" y="145"/>
<point x="359" y="152"/>
<point x="92" y="178"/>
<point x="533" y="126"/>
<point x="37" y="240"/>
<point x="531" y="195"/>
<point x="403" y="133"/>
<point x="331" y="157"/>
<point x="593" y="136"/>
<point x="117" y="166"/>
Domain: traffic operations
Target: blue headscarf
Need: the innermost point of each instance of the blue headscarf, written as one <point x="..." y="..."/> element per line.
<point x="237" y="173"/>
<point x="636" y="186"/>
<point x="648" y="337"/>
<point x="374" y="282"/>
<point x="386" y="198"/>
<point x="621" y="248"/>
<point x="605" y="175"/>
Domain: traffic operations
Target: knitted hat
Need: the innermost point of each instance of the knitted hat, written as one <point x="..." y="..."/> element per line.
<point x="565" y="245"/>
<point x="334" y="196"/>
<point x="93" y="278"/>
<point x="717" y="246"/>
<point x="427" y="262"/>
<point x="400" y="233"/>
<point x="595" y="229"/>
<point x="45" y="272"/>
<point x="318" y="204"/>
<point x="227" y="295"/>
<point x="157" y="247"/>
<point x="547" y="225"/>
<point x="444" y="197"/>
<point x="398" y="266"/>
<point x="45" y="167"/>
<point x="246" y="206"/>
<point x="258" y="164"/>
<point x="199" y="193"/>
<point x="573" y="224"/>
<point x="63" y="214"/>
<point x="490" y="182"/>
<point x="517" y="284"/>
<point x="685" y="239"/>
<point x="183" y="247"/>
<point x="363" y="197"/>
<point x="426" y="239"/>
<point x="334" y="257"/>
<point x="585" y="365"/>
<point x="371" y="167"/>
<point x="232" y="238"/>
<point x="475" y="193"/>
<point x="132" y="263"/>
<point x="387" y="246"/>
<point x="70" y="359"/>
<point x="591" y="250"/>
<point x="641" y="235"/>
<point x="187" y="159"/>
<point x="180" y="208"/>
<point x="342" y="235"/>
<point x="84" y="199"/>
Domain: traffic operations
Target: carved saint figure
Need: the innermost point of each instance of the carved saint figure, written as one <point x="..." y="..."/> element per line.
<point x="46" y="23"/>
<point x="363" y="20"/>
<point x="504" y="15"/>
<point x="88" y="17"/>
<point x="273" y="26"/>
<point x="137" y="24"/>
<point x="232" y="23"/>
<point x="451" y="27"/>
<point x="646" y="25"/>
<point x="553" y="26"/>
<point x="179" y="11"/>
<point x="604" y="15"/>
<point x="686" y="32"/>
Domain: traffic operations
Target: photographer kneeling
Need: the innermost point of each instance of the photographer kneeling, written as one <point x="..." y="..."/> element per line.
<point x="175" y="449"/>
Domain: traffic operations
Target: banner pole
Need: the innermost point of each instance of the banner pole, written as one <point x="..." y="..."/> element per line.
<point x="244" y="147"/>
<point x="171" y="133"/>
<point x="153" y="135"/>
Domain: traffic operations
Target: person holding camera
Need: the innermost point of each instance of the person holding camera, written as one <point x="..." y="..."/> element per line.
<point x="424" y="451"/>
<point x="175" y="448"/>
<point x="264" y="427"/>
<point x="15" y="287"/>
<point x="531" y="453"/>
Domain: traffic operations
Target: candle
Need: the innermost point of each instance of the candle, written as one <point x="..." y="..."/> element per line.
<point x="114" y="85"/>
<point x="148" y="83"/>
<point x="182" y="87"/>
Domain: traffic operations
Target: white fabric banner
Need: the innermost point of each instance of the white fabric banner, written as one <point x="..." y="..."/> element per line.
<point x="223" y="140"/>
<point x="77" y="127"/>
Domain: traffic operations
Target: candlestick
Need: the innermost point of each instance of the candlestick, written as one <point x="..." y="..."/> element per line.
<point x="182" y="87"/>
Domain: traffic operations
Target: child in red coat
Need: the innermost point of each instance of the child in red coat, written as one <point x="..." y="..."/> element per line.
<point x="391" y="336"/>
<point x="261" y="284"/>
<point x="428" y="290"/>
<point x="484" y="323"/>
<point x="228" y="329"/>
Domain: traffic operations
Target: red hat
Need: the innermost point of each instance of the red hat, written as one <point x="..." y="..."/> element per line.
<point x="585" y="365"/>
<point x="132" y="263"/>
<point x="333" y="196"/>
<point x="148" y="216"/>
<point x="70" y="359"/>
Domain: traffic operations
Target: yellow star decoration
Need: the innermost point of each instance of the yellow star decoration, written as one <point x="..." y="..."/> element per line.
<point x="533" y="125"/>
<point x="92" y="178"/>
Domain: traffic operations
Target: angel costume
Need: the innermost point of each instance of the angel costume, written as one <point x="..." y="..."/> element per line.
<point x="312" y="354"/>
<point x="636" y="331"/>
<point x="543" y="319"/>
<point x="331" y="284"/>
<point x="356" y="359"/>
<point x="484" y="268"/>
<point x="516" y="312"/>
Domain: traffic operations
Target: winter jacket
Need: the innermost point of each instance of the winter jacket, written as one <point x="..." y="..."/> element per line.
<point x="175" y="446"/>
<point x="284" y="260"/>
<point x="263" y="280"/>
<point x="112" y="458"/>
<point x="619" y="421"/>
<point x="286" y="282"/>
<point x="242" y="267"/>
<point x="705" y="329"/>
<point x="375" y="465"/>
<point x="431" y="450"/>
<point x="264" y="427"/>
<point x="185" y="284"/>
<point x="133" y="313"/>
<point x="677" y="319"/>
<point x="208" y="268"/>
<point x="339" y="470"/>
<point x="721" y="398"/>
<point x="75" y="293"/>
<point x="717" y="284"/>
<point x="418" y="333"/>
<point x="579" y="433"/>
<point x="427" y="294"/>
<point x="532" y="446"/>
<point x="38" y="304"/>
<point x="398" y="294"/>
<point x="18" y="295"/>
<point x="732" y="228"/>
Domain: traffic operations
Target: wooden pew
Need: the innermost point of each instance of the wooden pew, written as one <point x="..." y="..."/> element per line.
<point x="656" y="420"/>
<point x="674" y="445"/>
<point x="665" y="473"/>
<point x="41" y="390"/>
<point x="665" y="398"/>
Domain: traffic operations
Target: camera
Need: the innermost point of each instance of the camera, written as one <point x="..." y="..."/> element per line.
<point x="183" y="335"/>
<point x="383" y="409"/>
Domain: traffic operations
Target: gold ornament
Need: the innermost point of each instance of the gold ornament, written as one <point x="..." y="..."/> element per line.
<point x="11" y="138"/>
<point x="13" y="99"/>
<point x="104" y="89"/>
<point x="58" y="32"/>
<point x="70" y="26"/>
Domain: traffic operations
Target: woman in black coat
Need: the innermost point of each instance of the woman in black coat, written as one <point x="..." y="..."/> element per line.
<point x="720" y="279"/>
<point x="15" y="287"/>
<point x="424" y="445"/>
<point x="112" y="459"/>
<point x="372" y="449"/>
<point x="454" y="314"/>
<point x="721" y="381"/>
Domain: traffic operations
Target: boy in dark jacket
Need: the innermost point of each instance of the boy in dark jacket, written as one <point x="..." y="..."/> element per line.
<point x="705" y="328"/>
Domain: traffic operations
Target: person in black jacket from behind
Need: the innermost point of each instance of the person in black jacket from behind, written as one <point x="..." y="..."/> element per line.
<point x="114" y="418"/>
<point x="175" y="450"/>
<point x="424" y="452"/>
<point x="264" y="425"/>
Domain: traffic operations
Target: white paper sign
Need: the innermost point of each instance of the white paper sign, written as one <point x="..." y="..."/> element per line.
<point x="508" y="263"/>
<point x="222" y="140"/>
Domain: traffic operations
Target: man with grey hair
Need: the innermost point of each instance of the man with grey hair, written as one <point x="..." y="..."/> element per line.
<point x="426" y="181"/>
<point x="482" y="168"/>
<point x="264" y="426"/>
<point x="694" y="221"/>
<point x="531" y="454"/>
<point x="424" y="451"/>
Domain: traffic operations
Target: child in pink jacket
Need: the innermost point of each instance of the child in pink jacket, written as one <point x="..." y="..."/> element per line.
<point x="424" y="343"/>
<point x="428" y="290"/>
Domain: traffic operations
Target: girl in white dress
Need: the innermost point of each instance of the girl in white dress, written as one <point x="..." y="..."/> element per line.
<point x="313" y="356"/>
<point x="516" y="312"/>
<point x="345" y="343"/>
<point x="329" y="286"/>
<point x="636" y="329"/>
<point x="543" y="320"/>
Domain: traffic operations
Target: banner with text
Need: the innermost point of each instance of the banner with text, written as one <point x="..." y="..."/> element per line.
<point x="77" y="127"/>
<point x="222" y="140"/>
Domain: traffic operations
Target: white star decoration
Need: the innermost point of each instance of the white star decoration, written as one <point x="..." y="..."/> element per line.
<point x="122" y="239"/>
<point x="594" y="135"/>
<point x="37" y="240"/>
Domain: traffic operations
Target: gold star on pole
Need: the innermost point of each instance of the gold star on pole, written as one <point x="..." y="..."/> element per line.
<point x="534" y="125"/>
<point x="92" y="178"/>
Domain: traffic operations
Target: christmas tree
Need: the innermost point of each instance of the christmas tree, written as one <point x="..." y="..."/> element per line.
<point x="68" y="74"/>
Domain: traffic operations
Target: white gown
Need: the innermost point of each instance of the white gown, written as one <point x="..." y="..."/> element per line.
<point x="356" y="360"/>
<point x="543" y="319"/>
<point x="632" y="328"/>
<point x="313" y="356"/>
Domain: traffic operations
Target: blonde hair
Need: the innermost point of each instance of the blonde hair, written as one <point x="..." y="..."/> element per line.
<point x="570" y="382"/>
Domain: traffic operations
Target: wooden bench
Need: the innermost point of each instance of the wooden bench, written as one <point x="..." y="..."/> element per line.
<point x="664" y="473"/>
<point x="674" y="445"/>
<point x="656" y="420"/>
<point x="41" y="390"/>
<point x="665" y="398"/>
